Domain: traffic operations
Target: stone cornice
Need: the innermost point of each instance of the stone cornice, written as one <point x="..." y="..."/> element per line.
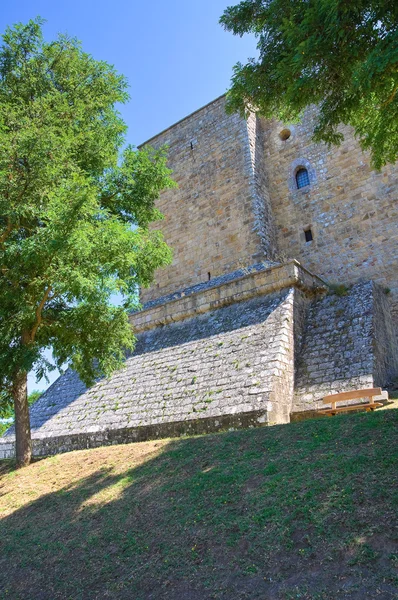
<point x="250" y="284"/>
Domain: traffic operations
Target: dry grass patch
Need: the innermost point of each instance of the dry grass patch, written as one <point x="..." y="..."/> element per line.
<point x="65" y="472"/>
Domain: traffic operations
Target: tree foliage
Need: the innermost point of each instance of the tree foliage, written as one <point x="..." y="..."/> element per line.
<point x="74" y="211"/>
<point x="340" y="55"/>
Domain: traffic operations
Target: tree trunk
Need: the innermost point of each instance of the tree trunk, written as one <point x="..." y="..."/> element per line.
<point x="23" y="442"/>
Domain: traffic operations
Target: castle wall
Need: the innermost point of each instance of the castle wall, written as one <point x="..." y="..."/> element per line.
<point x="264" y="223"/>
<point x="238" y="286"/>
<point x="351" y="209"/>
<point x="385" y="346"/>
<point x="207" y="359"/>
<point x="228" y="337"/>
<point x="348" y="343"/>
<point x="213" y="220"/>
<point x="232" y="367"/>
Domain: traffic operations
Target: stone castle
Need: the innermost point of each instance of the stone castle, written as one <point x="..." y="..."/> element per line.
<point x="245" y="328"/>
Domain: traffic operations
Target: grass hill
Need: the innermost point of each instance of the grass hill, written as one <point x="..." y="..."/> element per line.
<point x="307" y="510"/>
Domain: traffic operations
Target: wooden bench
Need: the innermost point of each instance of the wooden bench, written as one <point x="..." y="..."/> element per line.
<point x="353" y="395"/>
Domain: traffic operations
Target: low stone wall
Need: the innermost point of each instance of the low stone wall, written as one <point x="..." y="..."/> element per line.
<point x="241" y="285"/>
<point x="348" y="343"/>
<point x="57" y="444"/>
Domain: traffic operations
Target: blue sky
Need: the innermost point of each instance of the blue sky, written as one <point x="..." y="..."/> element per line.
<point x="174" y="54"/>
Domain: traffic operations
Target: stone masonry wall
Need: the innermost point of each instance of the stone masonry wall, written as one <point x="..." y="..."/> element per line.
<point x="348" y="343"/>
<point x="351" y="209"/>
<point x="385" y="345"/>
<point x="254" y="350"/>
<point x="238" y="286"/>
<point x="211" y="220"/>
<point x="264" y="220"/>
<point x="229" y="367"/>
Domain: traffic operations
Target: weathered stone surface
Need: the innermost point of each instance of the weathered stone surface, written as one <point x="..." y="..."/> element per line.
<point x="238" y="286"/>
<point x="351" y="209"/>
<point x="219" y="217"/>
<point x="238" y="202"/>
<point x="248" y="363"/>
<point x="349" y="343"/>
<point x="233" y="365"/>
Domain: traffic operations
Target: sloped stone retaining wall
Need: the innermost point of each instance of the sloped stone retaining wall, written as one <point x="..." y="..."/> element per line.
<point x="226" y="368"/>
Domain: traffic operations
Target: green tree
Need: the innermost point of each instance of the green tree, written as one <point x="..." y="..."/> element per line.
<point x="74" y="215"/>
<point x="340" y="55"/>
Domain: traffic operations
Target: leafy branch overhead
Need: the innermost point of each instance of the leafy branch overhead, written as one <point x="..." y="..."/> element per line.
<point x="74" y="209"/>
<point x="342" y="56"/>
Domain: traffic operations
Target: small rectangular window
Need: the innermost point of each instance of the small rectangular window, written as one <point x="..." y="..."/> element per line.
<point x="308" y="235"/>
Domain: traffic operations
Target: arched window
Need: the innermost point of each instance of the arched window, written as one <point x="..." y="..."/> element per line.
<point x="302" y="178"/>
<point x="302" y="175"/>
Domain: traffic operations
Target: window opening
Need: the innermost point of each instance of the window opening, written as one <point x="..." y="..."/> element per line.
<point x="285" y="134"/>
<point x="302" y="178"/>
<point x="308" y="235"/>
<point x="209" y="275"/>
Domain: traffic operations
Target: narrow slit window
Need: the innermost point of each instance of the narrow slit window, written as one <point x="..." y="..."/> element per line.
<point x="208" y="276"/>
<point x="302" y="178"/>
<point x="308" y="235"/>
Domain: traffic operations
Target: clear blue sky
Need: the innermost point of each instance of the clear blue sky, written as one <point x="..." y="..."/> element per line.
<point x="174" y="54"/>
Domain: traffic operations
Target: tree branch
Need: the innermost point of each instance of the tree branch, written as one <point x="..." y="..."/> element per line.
<point x="7" y="231"/>
<point x="391" y="97"/>
<point x="38" y="313"/>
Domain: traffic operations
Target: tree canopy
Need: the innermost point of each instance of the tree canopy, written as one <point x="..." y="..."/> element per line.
<point x="75" y="209"/>
<point x="342" y="56"/>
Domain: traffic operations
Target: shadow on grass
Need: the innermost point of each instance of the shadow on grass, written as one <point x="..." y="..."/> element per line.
<point x="300" y="511"/>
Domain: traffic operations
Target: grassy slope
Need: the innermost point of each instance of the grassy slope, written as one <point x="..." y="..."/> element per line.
<point x="306" y="510"/>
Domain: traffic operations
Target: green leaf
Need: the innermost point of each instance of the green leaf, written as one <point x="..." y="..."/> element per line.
<point x="340" y="55"/>
<point x="75" y="210"/>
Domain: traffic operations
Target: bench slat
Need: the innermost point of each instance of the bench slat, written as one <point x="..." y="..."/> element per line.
<point x="352" y="395"/>
<point x="332" y="411"/>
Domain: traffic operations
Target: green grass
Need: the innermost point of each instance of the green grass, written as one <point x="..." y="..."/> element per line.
<point x="306" y="510"/>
